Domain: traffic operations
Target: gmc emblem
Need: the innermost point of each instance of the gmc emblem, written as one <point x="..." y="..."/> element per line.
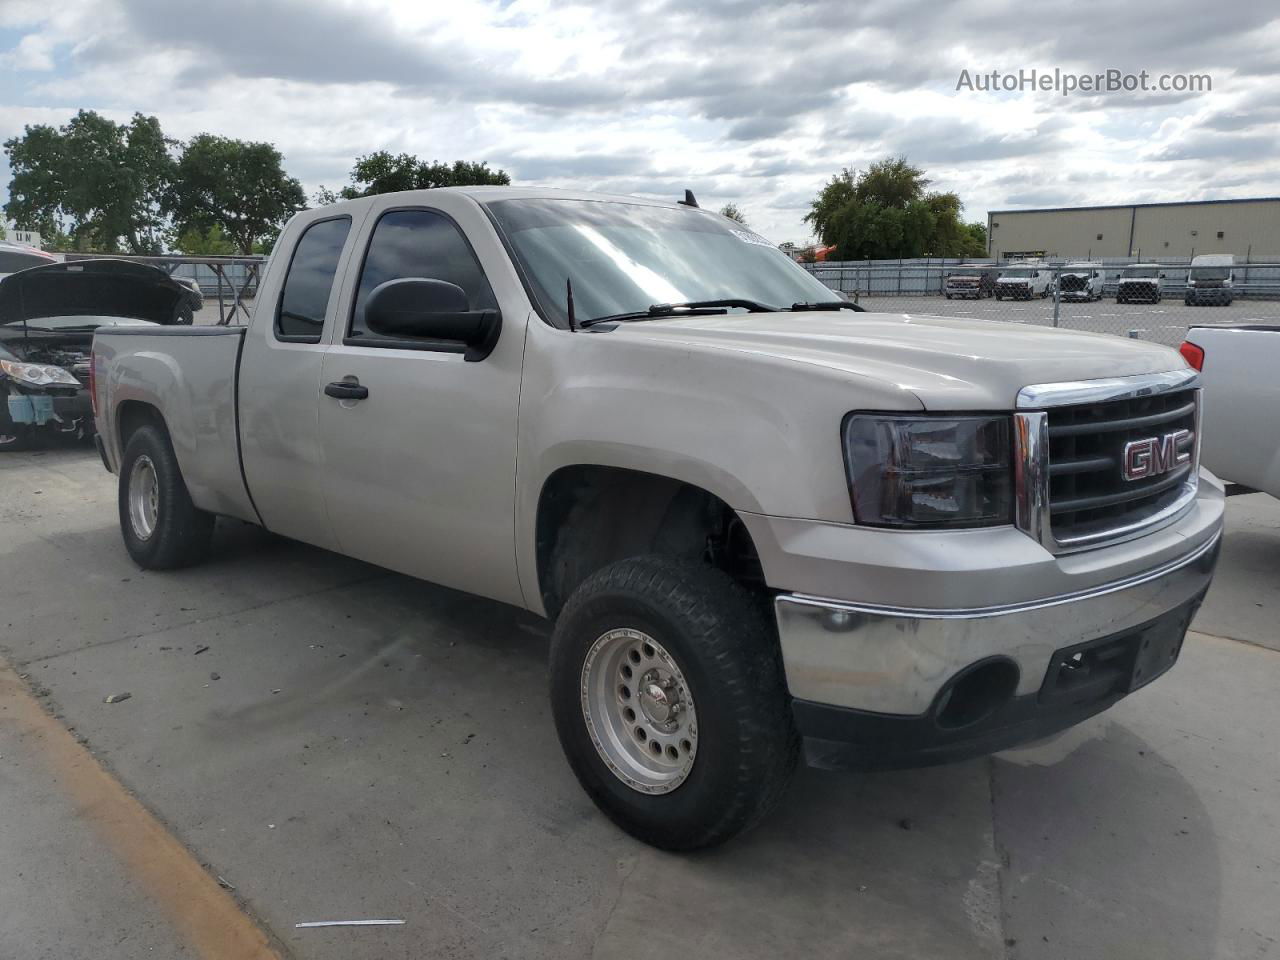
<point x="1153" y="456"/>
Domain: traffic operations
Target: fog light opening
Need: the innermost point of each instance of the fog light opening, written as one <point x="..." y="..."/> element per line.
<point x="976" y="693"/>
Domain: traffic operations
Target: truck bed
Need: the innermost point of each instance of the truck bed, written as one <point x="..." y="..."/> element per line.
<point x="191" y="374"/>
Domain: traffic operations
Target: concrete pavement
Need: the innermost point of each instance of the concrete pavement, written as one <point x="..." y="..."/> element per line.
<point x="377" y="747"/>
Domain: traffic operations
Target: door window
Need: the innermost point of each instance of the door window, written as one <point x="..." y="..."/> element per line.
<point x="418" y="243"/>
<point x="309" y="282"/>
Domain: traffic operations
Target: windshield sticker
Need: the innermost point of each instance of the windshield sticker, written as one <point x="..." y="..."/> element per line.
<point x="746" y="236"/>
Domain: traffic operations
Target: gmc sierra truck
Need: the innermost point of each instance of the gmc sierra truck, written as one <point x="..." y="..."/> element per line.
<point x="765" y="522"/>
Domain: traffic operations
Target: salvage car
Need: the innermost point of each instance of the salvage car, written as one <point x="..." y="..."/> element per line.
<point x="1081" y="280"/>
<point x="976" y="280"/>
<point x="48" y="317"/>
<point x="765" y="523"/>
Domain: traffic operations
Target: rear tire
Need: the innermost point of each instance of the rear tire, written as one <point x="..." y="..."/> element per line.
<point x="705" y="641"/>
<point x="162" y="528"/>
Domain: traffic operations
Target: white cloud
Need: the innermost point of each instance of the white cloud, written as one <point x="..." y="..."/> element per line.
<point x="751" y="102"/>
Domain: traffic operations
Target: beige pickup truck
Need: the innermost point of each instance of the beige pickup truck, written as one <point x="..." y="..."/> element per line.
<point x="766" y="523"/>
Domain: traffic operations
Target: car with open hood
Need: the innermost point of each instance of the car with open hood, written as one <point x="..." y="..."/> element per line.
<point x="48" y="317"/>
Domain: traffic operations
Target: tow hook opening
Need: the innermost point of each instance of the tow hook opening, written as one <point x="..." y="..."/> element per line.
<point x="976" y="693"/>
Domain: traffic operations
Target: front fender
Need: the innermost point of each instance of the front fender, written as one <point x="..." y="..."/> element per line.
<point x="758" y="431"/>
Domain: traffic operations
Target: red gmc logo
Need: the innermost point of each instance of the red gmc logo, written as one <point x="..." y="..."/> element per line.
<point x="1153" y="456"/>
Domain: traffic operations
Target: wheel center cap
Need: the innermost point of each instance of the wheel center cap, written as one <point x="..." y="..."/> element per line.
<point x="656" y="703"/>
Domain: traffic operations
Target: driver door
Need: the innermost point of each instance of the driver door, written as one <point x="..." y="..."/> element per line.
<point x="420" y="472"/>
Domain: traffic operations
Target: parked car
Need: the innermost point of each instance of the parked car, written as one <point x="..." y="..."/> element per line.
<point x="1140" y="283"/>
<point x="17" y="256"/>
<point x="1081" y="280"/>
<point x="1211" y="280"/>
<point x="761" y="521"/>
<point x="1024" y="281"/>
<point x="975" y="280"/>
<point x="1238" y="364"/>
<point x="48" y="316"/>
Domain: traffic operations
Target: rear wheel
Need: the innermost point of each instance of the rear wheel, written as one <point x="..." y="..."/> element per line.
<point x="162" y="528"/>
<point x="669" y="701"/>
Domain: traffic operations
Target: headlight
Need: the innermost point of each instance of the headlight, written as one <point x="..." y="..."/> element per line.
<point x="38" y="374"/>
<point x="923" y="471"/>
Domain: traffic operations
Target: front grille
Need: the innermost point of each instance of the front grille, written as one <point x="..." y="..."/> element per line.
<point x="1088" y="494"/>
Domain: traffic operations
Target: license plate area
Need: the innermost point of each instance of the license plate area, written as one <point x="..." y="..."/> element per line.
<point x="1116" y="665"/>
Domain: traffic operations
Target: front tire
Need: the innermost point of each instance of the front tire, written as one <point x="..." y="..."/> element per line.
<point x="162" y="528"/>
<point x="669" y="700"/>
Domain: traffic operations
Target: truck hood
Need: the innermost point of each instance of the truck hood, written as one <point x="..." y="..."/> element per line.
<point x="946" y="363"/>
<point x="91" y="288"/>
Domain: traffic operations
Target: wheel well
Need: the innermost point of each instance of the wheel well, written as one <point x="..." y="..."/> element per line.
<point x="591" y="516"/>
<point x="133" y="414"/>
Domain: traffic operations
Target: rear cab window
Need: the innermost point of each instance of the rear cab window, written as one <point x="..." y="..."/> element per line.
<point x="421" y="244"/>
<point x="309" y="283"/>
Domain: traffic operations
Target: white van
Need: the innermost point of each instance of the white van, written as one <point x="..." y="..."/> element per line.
<point x="1022" y="281"/>
<point x="1140" y="282"/>
<point x="1211" y="279"/>
<point x="1081" y="280"/>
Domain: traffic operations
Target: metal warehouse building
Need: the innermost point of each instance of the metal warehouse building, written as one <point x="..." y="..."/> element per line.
<point x="1148" y="230"/>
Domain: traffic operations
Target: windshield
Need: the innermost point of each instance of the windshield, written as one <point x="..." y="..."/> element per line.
<point x="624" y="257"/>
<point x="1147" y="273"/>
<point x="1019" y="274"/>
<point x="1210" y="273"/>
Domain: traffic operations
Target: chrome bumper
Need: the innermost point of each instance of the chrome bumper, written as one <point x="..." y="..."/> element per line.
<point x="894" y="660"/>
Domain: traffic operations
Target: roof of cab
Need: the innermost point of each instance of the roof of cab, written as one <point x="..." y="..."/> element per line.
<point x="491" y="194"/>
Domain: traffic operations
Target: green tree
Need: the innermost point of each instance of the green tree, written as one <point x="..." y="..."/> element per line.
<point x="210" y="242"/>
<point x="976" y="233"/>
<point x="731" y="211"/>
<point x="383" y="172"/>
<point x="97" y="180"/>
<point x="886" y="212"/>
<point x="237" y="186"/>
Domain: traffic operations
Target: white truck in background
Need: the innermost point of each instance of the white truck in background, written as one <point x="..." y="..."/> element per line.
<point x="1211" y="280"/>
<point x="1241" y="417"/>
<point x="1081" y="280"/>
<point x="1140" y="283"/>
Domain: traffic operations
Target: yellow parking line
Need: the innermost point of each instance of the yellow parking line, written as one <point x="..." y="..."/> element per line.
<point x="202" y="912"/>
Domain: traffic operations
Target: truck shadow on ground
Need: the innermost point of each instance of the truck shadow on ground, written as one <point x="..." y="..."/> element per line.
<point x="1109" y="850"/>
<point x="1077" y="843"/>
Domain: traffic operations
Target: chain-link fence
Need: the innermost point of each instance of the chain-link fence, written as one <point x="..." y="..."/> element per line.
<point x="1152" y="301"/>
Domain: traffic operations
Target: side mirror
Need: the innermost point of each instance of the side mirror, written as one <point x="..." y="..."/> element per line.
<point x="417" y="308"/>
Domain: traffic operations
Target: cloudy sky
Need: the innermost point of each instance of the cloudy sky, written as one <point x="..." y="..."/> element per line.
<point x="752" y="102"/>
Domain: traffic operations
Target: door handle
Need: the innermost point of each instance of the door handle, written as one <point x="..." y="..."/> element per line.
<point x="345" y="390"/>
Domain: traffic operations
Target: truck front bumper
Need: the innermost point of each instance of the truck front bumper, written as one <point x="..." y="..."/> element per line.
<point x="1102" y="645"/>
<point x="892" y="682"/>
